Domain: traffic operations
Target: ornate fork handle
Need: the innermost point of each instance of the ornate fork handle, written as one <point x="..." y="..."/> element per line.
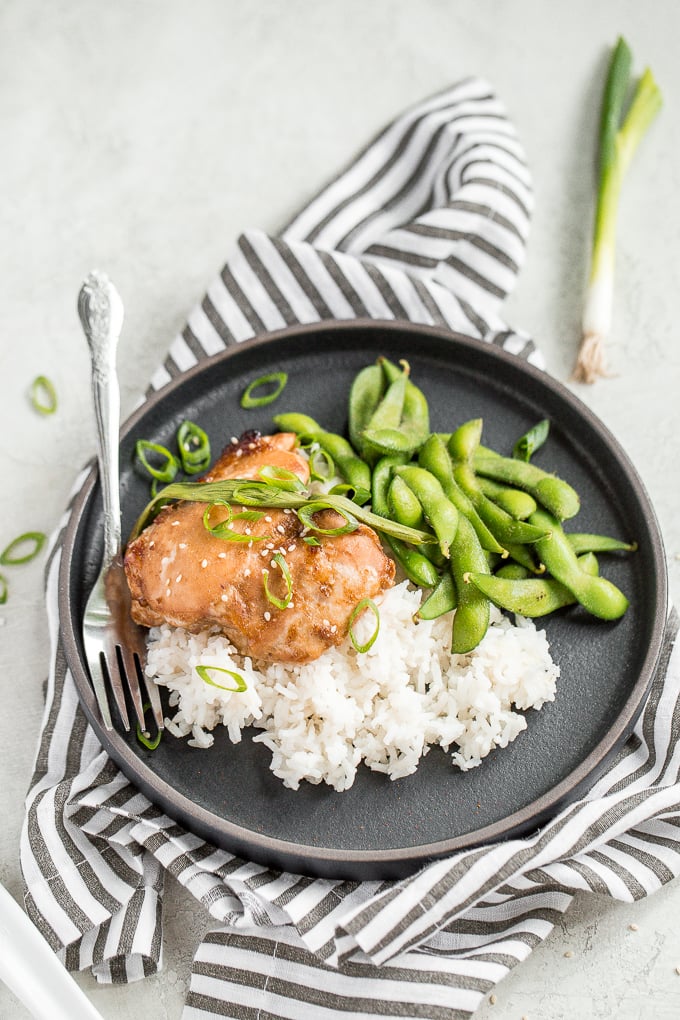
<point x="101" y="313"/>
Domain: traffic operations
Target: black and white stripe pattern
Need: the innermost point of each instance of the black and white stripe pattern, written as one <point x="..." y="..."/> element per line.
<point x="428" y="224"/>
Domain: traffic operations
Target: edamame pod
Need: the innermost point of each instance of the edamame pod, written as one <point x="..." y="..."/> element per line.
<point x="581" y="542"/>
<point x="505" y="528"/>
<point x="441" y="600"/>
<point x="365" y="394"/>
<point x="404" y="506"/>
<point x="596" y="594"/>
<point x="417" y="567"/>
<point x="434" y="457"/>
<point x="529" y="596"/>
<point x="380" y="483"/>
<point x="516" y="502"/>
<point x="556" y="495"/>
<point x="439" y="511"/>
<point x="471" y="619"/>
<point x="352" y="468"/>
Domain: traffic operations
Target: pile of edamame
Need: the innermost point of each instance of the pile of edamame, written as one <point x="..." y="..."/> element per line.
<point x="495" y="522"/>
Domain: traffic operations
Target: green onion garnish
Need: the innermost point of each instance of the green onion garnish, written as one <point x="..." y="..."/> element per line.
<point x="321" y="466"/>
<point x="204" y="671"/>
<point x="223" y="529"/>
<point x="531" y="441"/>
<point x="359" y="608"/>
<point x="311" y="540"/>
<point x="279" y="603"/>
<point x="43" y="395"/>
<point x="618" y="142"/>
<point x="353" y="492"/>
<point x="246" y="492"/>
<point x="144" y="738"/>
<point x="3" y="590"/>
<point x="194" y="448"/>
<point x="169" y="464"/>
<point x="277" y="379"/>
<point x="306" y="515"/>
<point x="281" y="477"/>
<point x="10" y="557"/>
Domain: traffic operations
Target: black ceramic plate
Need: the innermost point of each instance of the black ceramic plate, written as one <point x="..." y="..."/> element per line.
<point x="380" y="828"/>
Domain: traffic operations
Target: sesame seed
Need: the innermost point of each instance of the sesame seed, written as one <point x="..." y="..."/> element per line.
<point x="234" y="440"/>
<point x="182" y="545"/>
<point x="225" y="598"/>
<point x="334" y="628"/>
<point x="291" y="548"/>
<point x="568" y="954"/>
<point x="268" y="519"/>
<point x="175" y="524"/>
<point x="178" y="579"/>
<point x="267" y="616"/>
<point x="291" y="605"/>
<point x="677" y="970"/>
<point x="251" y="446"/>
<point x="270" y="545"/>
<point x="222" y="556"/>
<point x="246" y="572"/>
<point x="204" y="563"/>
<point x="248" y="531"/>
<point x="632" y="927"/>
<point x="281" y="529"/>
<point x="151" y="544"/>
<point x="273" y="564"/>
<point x="264" y="552"/>
<point x="239" y="452"/>
<point x="287" y="510"/>
<point x="167" y="593"/>
<point x="326" y="623"/>
<point x="492" y="999"/>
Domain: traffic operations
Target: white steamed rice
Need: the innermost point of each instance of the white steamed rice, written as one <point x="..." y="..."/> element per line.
<point x="385" y="707"/>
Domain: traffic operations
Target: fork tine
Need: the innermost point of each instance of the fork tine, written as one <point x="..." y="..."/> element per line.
<point x="129" y="672"/>
<point x="99" y="685"/>
<point x="155" y="699"/>
<point x="117" y="687"/>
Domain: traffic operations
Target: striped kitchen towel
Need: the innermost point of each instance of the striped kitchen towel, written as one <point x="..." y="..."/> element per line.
<point x="427" y="224"/>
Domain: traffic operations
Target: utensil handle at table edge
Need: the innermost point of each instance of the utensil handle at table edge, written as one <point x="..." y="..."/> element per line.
<point x="101" y="315"/>
<point x="33" y="972"/>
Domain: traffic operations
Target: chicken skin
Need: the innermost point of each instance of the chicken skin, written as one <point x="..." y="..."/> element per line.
<point x="181" y="574"/>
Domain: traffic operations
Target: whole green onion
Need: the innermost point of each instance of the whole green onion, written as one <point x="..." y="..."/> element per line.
<point x="43" y="395"/>
<point x="9" y="556"/>
<point x="618" y="141"/>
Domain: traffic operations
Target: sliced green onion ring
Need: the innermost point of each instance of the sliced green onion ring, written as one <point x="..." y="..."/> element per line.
<point x="204" y="673"/>
<point x="321" y="466"/>
<point x="354" y="492"/>
<point x="533" y="440"/>
<point x="194" y="448"/>
<point x="43" y="395"/>
<point x="277" y="379"/>
<point x="223" y="529"/>
<point x="169" y="464"/>
<point x="358" y="609"/>
<point x="143" y="738"/>
<point x="9" y="557"/>
<point x="282" y="478"/>
<point x="3" y="589"/>
<point x="306" y="516"/>
<point x="279" y="603"/>
<point x="311" y="540"/>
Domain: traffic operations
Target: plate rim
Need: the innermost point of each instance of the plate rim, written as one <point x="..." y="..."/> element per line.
<point x="358" y="863"/>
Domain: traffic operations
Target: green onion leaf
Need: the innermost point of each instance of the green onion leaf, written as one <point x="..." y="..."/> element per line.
<point x="279" y="603"/>
<point x="282" y="478"/>
<point x="311" y="540"/>
<point x="3" y="589"/>
<point x="204" y="673"/>
<point x="531" y="441"/>
<point x="11" y="557"/>
<point x="169" y="464"/>
<point x="306" y="516"/>
<point x="277" y="379"/>
<point x="358" y="609"/>
<point x="223" y="529"/>
<point x="144" y="738"/>
<point x="194" y="448"/>
<point x="43" y="395"/>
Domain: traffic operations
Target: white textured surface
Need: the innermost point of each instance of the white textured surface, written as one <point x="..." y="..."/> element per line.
<point x="141" y="138"/>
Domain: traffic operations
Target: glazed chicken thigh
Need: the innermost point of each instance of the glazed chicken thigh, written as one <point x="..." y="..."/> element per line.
<point x="179" y="573"/>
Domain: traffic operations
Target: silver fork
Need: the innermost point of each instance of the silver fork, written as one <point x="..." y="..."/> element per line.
<point x="115" y="646"/>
